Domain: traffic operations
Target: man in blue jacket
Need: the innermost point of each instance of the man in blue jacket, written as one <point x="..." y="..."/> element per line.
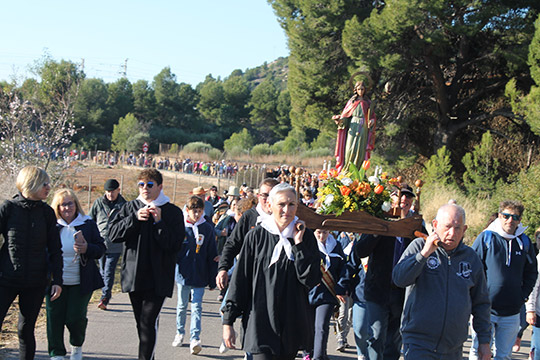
<point x="445" y="285"/>
<point x="510" y="264"/>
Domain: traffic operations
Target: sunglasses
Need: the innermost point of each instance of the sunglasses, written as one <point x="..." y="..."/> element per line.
<point x="149" y="184"/>
<point x="67" y="204"/>
<point x="514" y="217"/>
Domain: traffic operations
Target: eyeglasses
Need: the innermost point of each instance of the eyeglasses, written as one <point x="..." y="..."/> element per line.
<point x="149" y="184"/>
<point x="514" y="217"/>
<point x="68" y="204"/>
<point x="264" y="195"/>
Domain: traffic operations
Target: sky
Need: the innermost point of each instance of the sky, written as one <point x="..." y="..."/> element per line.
<point x="192" y="37"/>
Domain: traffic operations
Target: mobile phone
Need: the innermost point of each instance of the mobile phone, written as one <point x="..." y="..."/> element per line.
<point x="78" y="237"/>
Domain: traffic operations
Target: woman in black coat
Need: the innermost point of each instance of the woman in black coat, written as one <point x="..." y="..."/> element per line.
<point x="30" y="248"/>
<point x="82" y="245"/>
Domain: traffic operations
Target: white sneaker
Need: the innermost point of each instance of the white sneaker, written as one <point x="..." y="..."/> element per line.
<point x="178" y="340"/>
<point x="195" y="346"/>
<point x="222" y="348"/>
<point x="57" y="358"/>
<point x="76" y="353"/>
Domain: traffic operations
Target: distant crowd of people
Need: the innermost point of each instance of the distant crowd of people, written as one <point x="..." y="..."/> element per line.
<point x="283" y="280"/>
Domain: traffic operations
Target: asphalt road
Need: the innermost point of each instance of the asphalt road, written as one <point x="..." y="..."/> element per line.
<point x="112" y="335"/>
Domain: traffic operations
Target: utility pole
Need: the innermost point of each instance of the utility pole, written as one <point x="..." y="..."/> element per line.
<point x="124" y="72"/>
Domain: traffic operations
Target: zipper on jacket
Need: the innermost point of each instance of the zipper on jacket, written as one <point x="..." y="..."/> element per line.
<point x="446" y="303"/>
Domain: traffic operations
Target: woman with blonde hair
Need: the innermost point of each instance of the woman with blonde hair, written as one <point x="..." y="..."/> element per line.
<point x="81" y="246"/>
<point x="31" y="247"/>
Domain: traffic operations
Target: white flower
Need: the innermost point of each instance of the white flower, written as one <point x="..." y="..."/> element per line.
<point x="328" y="200"/>
<point x="386" y="206"/>
<point x="346" y="181"/>
<point x="374" y="180"/>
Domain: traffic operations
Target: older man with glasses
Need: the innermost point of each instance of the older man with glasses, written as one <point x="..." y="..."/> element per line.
<point x="152" y="230"/>
<point x="510" y="264"/>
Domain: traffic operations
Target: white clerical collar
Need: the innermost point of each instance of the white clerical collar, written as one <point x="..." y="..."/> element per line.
<point x="269" y="224"/>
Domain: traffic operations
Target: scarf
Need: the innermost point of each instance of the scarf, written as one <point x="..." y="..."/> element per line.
<point x="194" y="227"/>
<point x="496" y="227"/>
<point x="159" y="201"/>
<point x="283" y="244"/>
<point x="327" y="249"/>
<point x="262" y="215"/>
<point x="79" y="220"/>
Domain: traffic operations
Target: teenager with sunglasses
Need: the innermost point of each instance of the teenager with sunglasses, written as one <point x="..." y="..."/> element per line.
<point x="152" y="230"/>
<point x="510" y="265"/>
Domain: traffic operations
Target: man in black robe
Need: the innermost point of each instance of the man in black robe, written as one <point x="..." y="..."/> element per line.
<point x="278" y="264"/>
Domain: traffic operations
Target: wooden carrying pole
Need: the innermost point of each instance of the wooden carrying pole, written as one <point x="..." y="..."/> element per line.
<point x="360" y="222"/>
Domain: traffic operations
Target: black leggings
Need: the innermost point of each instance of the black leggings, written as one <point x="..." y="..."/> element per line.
<point x="30" y="301"/>
<point x="146" y="308"/>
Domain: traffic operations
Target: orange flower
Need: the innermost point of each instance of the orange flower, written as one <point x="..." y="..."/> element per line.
<point x="333" y="173"/>
<point x="345" y="191"/>
<point x="323" y="175"/>
<point x="354" y="184"/>
<point x="378" y="189"/>
<point x="393" y="181"/>
<point x="366" y="164"/>
<point x="363" y="189"/>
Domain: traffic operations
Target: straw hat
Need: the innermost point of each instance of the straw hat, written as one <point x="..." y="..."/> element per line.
<point x="199" y="190"/>
<point x="233" y="191"/>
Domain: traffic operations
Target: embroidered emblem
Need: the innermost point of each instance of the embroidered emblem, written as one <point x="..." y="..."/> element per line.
<point x="518" y="252"/>
<point x="433" y="262"/>
<point x="464" y="270"/>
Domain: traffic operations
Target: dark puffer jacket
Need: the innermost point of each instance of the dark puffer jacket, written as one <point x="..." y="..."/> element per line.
<point x="31" y="246"/>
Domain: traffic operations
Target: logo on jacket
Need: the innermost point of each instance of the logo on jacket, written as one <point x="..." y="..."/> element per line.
<point x="464" y="270"/>
<point x="433" y="262"/>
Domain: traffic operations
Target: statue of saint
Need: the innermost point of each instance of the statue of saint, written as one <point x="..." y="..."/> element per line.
<point x="356" y="130"/>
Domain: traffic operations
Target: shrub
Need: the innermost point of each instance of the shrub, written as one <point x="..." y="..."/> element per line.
<point x="242" y="140"/>
<point x="314" y="153"/>
<point x="438" y="169"/>
<point x="481" y="168"/>
<point x="215" y="154"/>
<point x="523" y="187"/>
<point x="261" y="150"/>
<point x="135" y="142"/>
<point x="174" y="149"/>
<point x="197" y="147"/>
<point x="277" y="147"/>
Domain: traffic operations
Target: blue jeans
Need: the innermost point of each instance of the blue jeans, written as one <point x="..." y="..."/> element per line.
<point x="107" y="266"/>
<point x="535" y="341"/>
<point x="385" y="338"/>
<point x="196" y="309"/>
<point x="504" y="330"/>
<point x="361" y="328"/>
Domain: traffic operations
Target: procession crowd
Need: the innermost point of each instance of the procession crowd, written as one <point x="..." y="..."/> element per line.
<point x="419" y="298"/>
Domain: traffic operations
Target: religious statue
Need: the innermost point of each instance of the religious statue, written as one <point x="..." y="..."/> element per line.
<point x="356" y="130"/>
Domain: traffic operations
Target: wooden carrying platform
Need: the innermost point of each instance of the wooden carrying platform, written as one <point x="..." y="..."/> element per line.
<point x="360" y="222"/>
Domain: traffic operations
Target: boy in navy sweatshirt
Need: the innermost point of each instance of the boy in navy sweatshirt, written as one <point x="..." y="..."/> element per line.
<point x="196" y="268"/>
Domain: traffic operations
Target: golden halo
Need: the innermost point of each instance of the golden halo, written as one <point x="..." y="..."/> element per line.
<point x="365" y="75"/>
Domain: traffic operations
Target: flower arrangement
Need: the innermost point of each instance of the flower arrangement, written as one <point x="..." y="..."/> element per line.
<point x="351" y="191"/>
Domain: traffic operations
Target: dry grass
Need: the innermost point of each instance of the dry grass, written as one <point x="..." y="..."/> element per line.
<point x="477" y="210"/>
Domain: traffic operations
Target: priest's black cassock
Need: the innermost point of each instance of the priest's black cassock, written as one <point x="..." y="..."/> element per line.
<point x="273" y="299"/>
